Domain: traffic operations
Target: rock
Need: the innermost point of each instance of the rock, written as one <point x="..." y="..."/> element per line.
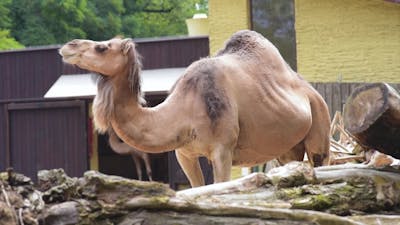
<point x="108" y="195"/>
<point x="57" y="186"/>
<point x="16" y="179"/>
<point x="292" y="174"/>
<point x="7" y="215"/>
<point x="114" y="189"/>
<point x="19" y="201"/>
<point x="65" y="213"/>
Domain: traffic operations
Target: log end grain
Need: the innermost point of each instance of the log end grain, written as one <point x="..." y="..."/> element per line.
<point x="364" y="106"/>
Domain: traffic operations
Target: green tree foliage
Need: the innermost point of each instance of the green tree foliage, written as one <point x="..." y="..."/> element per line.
<point x="64" y="19"/>
<point x="28" y="26"/>
<point x="43" y="22"/>
<point x="5" y="20"/>
<point x="6" y="41"/>
<point x="103" y="20"/>
<point x="157" y="18"/>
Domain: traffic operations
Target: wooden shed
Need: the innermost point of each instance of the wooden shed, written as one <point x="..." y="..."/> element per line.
<point x="56" y="132"/>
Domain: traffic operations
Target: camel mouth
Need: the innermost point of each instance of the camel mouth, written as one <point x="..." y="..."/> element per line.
<point x="72" y="59"/>
<point x="66" y="57"/>
<point x="66" y="54"/>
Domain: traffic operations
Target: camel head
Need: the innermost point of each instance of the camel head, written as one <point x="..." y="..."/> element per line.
<point x="108" y="58"/>
<point x="114" y="60"/>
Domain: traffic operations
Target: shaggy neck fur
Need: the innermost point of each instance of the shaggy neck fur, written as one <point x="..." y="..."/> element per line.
<point x="103" y="104"/>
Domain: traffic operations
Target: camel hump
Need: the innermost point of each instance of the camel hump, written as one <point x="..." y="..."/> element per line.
<point x="243" y="42"/>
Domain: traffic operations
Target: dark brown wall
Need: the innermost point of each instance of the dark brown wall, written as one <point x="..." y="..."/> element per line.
<point x="172" y="52"/>
<point x="45" y="135"/>
<point x="28" y="73"/>
<point x="3" y="138"/>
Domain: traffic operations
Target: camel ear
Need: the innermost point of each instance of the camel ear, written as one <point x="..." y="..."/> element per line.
<point x="127" y="44"/>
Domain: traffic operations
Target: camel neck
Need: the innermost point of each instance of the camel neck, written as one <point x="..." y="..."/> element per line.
<point x="142" y="127"/>
<point x="145" y="129"/>
<point x="123" y="93"/>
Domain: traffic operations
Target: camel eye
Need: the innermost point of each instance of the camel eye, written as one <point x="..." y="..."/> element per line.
<point x="100" y="48"/>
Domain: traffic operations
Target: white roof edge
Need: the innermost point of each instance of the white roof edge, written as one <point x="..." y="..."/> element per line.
<point x="155" y="81"/>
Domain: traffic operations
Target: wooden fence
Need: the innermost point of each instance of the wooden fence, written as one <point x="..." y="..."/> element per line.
<point x="336" y="93"/>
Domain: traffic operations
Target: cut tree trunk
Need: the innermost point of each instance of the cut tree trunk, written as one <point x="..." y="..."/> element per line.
<point x="372" y="116"/>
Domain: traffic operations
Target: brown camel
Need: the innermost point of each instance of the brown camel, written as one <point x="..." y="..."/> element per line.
<point x="122" y="148"/>
<point x="244" y="106"/>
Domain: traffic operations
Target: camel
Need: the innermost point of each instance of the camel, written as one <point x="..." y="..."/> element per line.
<point x="243" y="106"/>
<point x="124" y="149"/>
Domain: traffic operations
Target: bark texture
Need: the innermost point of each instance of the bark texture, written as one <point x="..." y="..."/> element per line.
<point x="372" y="116"/>
<point x="293" y="194"/>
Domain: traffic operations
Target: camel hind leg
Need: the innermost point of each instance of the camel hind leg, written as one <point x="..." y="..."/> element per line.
<point x="138" y="166"/>
<point x="317" y="141"/>
<point x="147" y="164"/>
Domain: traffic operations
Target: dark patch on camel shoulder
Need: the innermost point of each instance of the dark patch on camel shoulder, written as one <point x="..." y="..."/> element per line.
<point x="203" y="81"/>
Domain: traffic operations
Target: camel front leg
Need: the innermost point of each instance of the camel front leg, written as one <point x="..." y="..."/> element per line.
<point x="191" y="168"/>
<point x="222" y="164"/>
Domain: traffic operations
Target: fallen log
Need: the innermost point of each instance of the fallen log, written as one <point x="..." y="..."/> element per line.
<point x="372" y="115"/>
<point x="293" y="194"/>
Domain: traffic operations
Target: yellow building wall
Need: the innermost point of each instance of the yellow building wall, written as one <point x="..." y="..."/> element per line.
<point x="357" y="40"/>
<point x="225" y="18"/>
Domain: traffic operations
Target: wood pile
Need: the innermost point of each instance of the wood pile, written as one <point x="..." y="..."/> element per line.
<point x="345" y="149"/>
<point x="369" y="130"/>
